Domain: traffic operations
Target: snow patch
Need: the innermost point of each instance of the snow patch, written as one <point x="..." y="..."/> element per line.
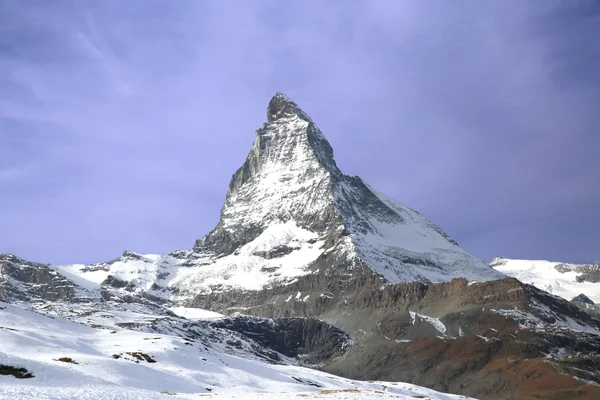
<point x="435" y="322"/>
<point x="195" y="313"/>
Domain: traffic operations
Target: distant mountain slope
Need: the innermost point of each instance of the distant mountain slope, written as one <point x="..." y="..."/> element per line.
<point x="561" y="279"/>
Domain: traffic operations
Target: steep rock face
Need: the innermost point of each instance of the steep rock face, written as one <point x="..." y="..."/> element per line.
<point x="286" y="177"/>
<point x="586" y="304"/>
<point x="495" y="340"/>
<point x="26" y="281"/>
<point x="311" y="339"/>
<point x="589" y="272"/>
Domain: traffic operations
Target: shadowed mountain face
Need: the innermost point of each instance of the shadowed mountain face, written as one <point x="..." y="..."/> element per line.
<point x="338" y="275"/>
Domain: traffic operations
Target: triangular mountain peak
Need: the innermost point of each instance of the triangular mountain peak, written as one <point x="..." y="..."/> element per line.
<point x="287" y="176"/>
<point x="289" y="138"/>
<point x="281" y="106"/>
<point x="291" y="188"/>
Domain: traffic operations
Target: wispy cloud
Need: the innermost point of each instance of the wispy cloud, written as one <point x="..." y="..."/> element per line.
<point x="95" y="46"/>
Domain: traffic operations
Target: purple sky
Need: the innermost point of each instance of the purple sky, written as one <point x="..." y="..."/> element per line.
<point x="121" y="122"/>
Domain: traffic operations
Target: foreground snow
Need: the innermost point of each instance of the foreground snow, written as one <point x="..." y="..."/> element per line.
<point x="103" y="393"/>
<point x="125" y="364"/>
<point x="544" y="275"/>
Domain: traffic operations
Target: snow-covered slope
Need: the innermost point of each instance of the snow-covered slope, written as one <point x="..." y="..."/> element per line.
<point x="560" y="279"/>
<point x="74" y="361"/>
<point x="409" y="247"/>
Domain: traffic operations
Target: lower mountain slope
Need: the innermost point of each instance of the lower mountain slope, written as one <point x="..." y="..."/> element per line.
<point x="112" y="360"/>
<point x="499" y="339"/>
<point x="495" y="340"/>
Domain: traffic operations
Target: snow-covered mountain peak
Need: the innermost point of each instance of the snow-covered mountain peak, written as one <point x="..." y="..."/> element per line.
<point x="290" y="176"/>
<point x="287" y="176"/>
<point x="561" y="279"/>
<point x="289" y="213"/>
<point x="282" y="106"/>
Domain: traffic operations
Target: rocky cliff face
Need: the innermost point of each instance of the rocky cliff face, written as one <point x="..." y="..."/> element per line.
<point x="24" y="280"/>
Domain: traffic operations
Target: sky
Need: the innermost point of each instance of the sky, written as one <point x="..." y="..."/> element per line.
<point x="121" y="122"/>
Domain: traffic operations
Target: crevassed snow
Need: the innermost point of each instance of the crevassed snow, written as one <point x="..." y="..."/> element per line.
<point x="180" y="371"/>
<point x="543" y="275"/>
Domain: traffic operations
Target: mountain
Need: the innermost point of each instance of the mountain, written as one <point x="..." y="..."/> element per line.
<point x="562" y="279"/>
<point x="290" y="212"/>
<point x="290" y="198"/>
<point x="310" y="267"/>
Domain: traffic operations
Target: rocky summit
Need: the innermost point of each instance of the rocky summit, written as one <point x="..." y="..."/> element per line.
<point x="308" y="266"/>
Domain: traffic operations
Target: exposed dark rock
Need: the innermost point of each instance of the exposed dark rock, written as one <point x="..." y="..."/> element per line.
<point x="276" y="252"/>
<point x="470" y="357"/>
<point x="23" y="280"/>
<point x="309" y="338"/>
<point x="114" y="282"/>
<point x="592" y="309"/>
<point x="141" y="356"/>
<point x="589" y="272"/>
<point x="67" y="360"/>
<point x="562" y="268"/>
<point x="17" y="372"/>
<point x="583" y="299"/>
